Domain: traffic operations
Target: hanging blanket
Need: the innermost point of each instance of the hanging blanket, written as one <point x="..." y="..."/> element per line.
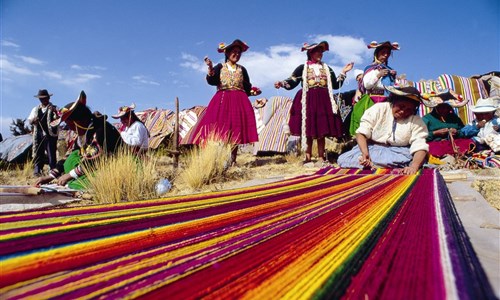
<point x="275" y="115"/>
<point x="156" y="121"/>
<point x="471" y="89"/>
<point x="338" y="233"/>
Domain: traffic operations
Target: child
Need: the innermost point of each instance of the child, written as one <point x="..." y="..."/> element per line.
<point x="485" y="128"/>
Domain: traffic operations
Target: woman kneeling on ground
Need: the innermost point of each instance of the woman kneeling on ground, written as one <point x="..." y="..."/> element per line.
<point x="390" y="135"/>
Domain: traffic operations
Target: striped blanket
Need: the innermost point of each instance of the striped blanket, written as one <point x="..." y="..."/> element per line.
<point x="334" y="234"/>
<point x="273" y="117"/>
<point x="157" y="122"/>
<point x="470" y="88"/>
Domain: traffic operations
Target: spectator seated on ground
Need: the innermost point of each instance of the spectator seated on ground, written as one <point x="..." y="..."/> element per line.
<point x="484" y="129"/>
<point x="445" y="137"/>
<point x="133" y="131"/>
<point x="390" y="135"/>
<point x="95" y="137"/>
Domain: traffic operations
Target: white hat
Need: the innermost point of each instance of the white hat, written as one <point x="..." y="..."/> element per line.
<point x="484" y="105"/>
<point x="357" y="72"/>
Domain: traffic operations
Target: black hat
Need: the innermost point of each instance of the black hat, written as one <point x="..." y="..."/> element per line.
<point x="42" y="94"/>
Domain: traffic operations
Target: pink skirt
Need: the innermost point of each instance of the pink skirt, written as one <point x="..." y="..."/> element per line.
<point x="320" y="120"/>
<point x="229" y="117"/>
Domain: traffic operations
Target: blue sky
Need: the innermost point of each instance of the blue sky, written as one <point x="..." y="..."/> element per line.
<point x="150" y="51"/>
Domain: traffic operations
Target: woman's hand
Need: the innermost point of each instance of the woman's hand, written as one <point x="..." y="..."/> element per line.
<point x="278" y="84"/>
<point x="43" y="180"/>
<point x="365" y="160"/>
<point x="64" y="179"/>
<point x="441" y="132"/>
<point x="347" y="68"/>
<point x="382" y="73"/>
<point x="208" y="62"/>
<point x="410" y="170"/>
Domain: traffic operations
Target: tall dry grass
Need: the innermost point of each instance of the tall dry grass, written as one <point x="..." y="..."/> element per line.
<point x="122" y="177"/>
<point x="205" y="163"/>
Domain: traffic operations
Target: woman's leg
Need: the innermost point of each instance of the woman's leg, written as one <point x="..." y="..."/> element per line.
<point x="321" y="148"/>
<point x="309" y="141"/>
<point x="234" y="153"/>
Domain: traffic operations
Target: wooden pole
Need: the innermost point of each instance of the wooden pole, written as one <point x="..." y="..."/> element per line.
<point x="176" y="133"/>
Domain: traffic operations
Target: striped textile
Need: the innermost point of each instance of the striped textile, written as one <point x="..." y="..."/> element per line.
<point x="334" y="234"/>
<point x="156" y="121"/>
<point x="470" y="88"/>
<point x="272" y="137"/>
<point x="188" y="118"/>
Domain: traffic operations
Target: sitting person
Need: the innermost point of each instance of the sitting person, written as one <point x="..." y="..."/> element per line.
<point x="390" y="135"/>
<point x="445" y="137"/>
<point x="133" y="132"/>
<point x="484" y="129"/>
<point x="95" y="137"/>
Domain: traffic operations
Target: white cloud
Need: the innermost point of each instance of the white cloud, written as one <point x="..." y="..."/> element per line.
<point x="193" y="62"/>
<point x="7" y="66"/>
<point x="142" y="79"/>
<point x="30" y="60"/>
<point x="53" y="75"/>
<point x="80" y="79"/>
<point x="9" y="44"/>
<point x="87" y="68"/>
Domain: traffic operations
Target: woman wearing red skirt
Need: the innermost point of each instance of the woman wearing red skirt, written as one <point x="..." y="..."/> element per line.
<point x="314" y="113"/>
<point x="229" y="115"/>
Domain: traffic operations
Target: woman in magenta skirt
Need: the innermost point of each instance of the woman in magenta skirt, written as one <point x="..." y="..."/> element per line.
<point x="314" y="113"/>
<point x="229" y="115"/>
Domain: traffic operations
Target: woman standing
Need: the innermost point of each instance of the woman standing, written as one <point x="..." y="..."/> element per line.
<point x="376" y="75"/>
<point x="229" y="115"/>
<point x="314" y="113"/>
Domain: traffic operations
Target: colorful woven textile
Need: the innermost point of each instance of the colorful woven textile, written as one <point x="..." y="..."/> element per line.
<point x="272" y="136"/>
<point x="156" y="121"/>
<point x="333" y="234"/>
<point x="470" y="88"/>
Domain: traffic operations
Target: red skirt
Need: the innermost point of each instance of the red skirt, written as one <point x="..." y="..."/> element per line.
<point x="230" y="117"/>
<point x="444" y="147"/>
<point x="320" y="121"/>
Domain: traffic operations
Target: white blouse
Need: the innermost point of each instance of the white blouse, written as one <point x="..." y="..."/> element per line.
<point x="378" y="124"/>
<point x="136" y="135"/>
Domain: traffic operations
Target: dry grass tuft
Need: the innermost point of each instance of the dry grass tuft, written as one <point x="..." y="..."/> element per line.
<point x="204" y="164"/>
<point x="122" y="177"/>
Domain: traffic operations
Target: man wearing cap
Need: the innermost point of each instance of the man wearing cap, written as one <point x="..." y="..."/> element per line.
<point x="485" y="128"/>
<point x="44" y="135"/>
<point x="133" y="132"/>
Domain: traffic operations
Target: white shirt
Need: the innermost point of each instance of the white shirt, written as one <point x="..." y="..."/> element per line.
<point x="372" y="82"/>
<point x="378" y="124"/>
<point x="136" y="135"/>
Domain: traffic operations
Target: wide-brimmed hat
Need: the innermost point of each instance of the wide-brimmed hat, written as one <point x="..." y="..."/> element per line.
<point x="484" y="105"/>
<point x="446" y="96"/>
<point x="123" y="110"/>
<point x="68" y="109"/>
<point x="308" y="47"/>
<point x="375" y="45"/>
<point x="42" y="94"/>
<point x="407" y="92"/>
<point x="223" y="47"/>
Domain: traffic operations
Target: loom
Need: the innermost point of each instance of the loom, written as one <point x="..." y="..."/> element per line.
<point x="350" y="234"/>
